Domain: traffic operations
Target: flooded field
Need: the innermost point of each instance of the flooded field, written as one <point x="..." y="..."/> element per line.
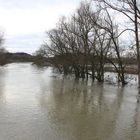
<point x="38" y="104"/>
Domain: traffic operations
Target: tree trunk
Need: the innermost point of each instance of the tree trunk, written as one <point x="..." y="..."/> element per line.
<point x="137" y="42"/>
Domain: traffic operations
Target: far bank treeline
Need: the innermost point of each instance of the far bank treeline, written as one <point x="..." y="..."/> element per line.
<point x="7" y="57"/>
<point x="92" y="38"/>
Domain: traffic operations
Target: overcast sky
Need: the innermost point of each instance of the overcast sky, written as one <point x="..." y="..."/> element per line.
<point x="24" y="22"/>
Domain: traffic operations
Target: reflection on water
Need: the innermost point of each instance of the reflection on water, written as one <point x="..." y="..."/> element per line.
<point x="37" y="104"/>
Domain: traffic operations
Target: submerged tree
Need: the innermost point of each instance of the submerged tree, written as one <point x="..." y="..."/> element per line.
<point x="131" y="10"/>
<point x="85" y="42"/>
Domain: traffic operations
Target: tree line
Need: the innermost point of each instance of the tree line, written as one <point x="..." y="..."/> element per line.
<point x="90" y="39"/>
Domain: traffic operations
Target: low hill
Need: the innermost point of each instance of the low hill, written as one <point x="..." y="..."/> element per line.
<point x="18" y="57"/>
<point x="9" y="57"/>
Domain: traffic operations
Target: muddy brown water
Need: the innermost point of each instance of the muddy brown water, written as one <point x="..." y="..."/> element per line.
<point x="38" y="104"/>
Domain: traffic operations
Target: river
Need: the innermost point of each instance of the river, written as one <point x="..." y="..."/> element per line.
<point x="39" y="104"/>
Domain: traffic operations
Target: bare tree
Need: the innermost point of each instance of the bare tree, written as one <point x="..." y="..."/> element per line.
<point x="102" y="52"/>
<point x="83" y="43"/>
<point x="131" y="9"/>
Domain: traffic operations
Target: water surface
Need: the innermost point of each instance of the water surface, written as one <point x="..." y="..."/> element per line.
<point x="38" y="104"/>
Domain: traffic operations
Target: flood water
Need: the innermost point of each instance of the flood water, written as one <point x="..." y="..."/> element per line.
<point x="38" y="104"/>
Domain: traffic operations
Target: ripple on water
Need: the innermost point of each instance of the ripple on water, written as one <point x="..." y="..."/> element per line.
<point x="39" y="104"/>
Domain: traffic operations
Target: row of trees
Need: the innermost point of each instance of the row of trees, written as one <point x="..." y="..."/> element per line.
<point x="90" y="39"/>
<point x="131" y="10"/>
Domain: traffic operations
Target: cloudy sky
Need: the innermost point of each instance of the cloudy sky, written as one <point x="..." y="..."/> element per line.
<point x="24" y="22"/>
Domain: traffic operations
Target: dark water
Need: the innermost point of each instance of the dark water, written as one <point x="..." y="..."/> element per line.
<point x="37" y="104"/>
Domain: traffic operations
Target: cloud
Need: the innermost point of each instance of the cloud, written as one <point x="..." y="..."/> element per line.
<point x="28" y="17"/>
<point x="32" y="20"/>
<point x="27" y="42"/>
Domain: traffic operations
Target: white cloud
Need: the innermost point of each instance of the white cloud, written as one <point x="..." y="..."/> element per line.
<point x="28" y="42"/>
<point x="26" y="17"/>
<point x="17" y="21"/>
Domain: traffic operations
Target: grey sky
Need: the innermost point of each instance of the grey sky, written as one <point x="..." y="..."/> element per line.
<point x="25" y="21"/>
